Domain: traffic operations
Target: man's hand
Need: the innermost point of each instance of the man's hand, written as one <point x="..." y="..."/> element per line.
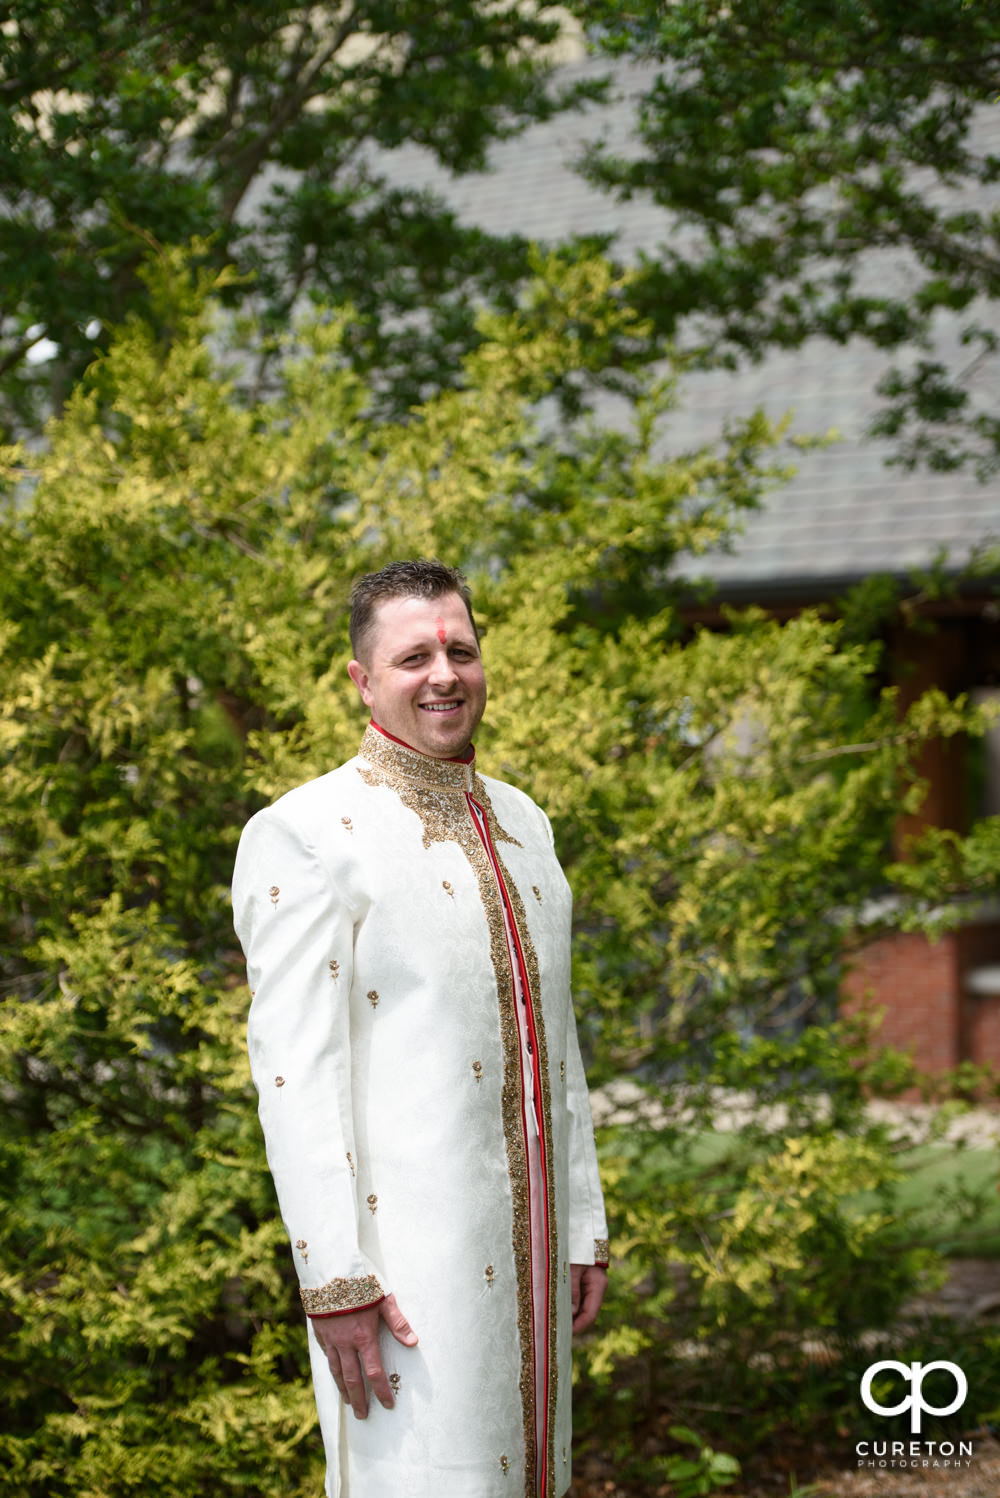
<point x="588" y="1283"/>
<point x="351" y="1346"/>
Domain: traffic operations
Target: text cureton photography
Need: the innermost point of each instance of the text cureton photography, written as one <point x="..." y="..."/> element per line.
<point x="914" y="1453"/>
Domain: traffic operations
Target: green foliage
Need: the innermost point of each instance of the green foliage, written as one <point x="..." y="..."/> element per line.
<point x="699" y="1475"/>
<point x="833" y="174"/>
<point x="825" y="165"/>
<point x="173" y="634"/>
<point x="257" y="127"/>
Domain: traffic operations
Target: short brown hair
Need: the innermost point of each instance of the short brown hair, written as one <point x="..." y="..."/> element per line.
<point x="419" y="579"/>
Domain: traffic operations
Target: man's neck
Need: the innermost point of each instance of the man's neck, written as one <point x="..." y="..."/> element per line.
<point x="465" y="758"/>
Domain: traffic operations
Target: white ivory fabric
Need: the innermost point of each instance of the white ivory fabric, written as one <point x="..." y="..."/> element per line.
<point x="425" y="1110"/>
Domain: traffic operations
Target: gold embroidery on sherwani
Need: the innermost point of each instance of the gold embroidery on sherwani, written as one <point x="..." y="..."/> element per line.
<point x="341" y="1295"/>
<point x="435" y="789"/>
<point x="535" y="989"/>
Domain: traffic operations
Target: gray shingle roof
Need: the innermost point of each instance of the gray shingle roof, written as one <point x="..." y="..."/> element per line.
<point x="846" y="513"/>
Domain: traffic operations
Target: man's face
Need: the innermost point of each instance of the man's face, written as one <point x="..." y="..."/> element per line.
<point x="423" y="680"/>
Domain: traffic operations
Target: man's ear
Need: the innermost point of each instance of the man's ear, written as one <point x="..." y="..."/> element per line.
<point x="359" y="675"/>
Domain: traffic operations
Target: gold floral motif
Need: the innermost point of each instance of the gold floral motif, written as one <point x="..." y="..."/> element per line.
<point x="564" y="1271"/>
<point x="477" y="1067"/>
<point x="350" y="1162"/>
<point x="602" y="1250"/>
<point x="373" y="997"/>
<point x="279" y="1081"/>
<point x="490" y="1274"/>
<point x="303" y="1248"/>
<point x="347" y="823"/>
<point x="562" y="1071"/>
<point x="372" y="1203"/>
<point x="274" y="892"/>
<point x="395" y="1381"/>
<point x="342" y="1295"/>
<point x="334" y="969"/>
<point x="565" y="1458"/>
<point x="447" y="888"/>
<point x="537" y="893"/>
<point x="504" y="1465"/>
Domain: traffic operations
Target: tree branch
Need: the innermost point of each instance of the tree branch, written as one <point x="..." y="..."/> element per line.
<point x="249" y="159"/>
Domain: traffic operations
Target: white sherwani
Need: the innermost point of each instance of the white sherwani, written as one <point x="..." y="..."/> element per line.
<point x="407" y="932"/>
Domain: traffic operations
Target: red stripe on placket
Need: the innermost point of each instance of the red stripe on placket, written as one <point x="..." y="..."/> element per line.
<point x="513" y="937"/>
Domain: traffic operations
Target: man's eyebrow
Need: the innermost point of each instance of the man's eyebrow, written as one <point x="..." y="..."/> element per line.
<point x="426" y="642"/>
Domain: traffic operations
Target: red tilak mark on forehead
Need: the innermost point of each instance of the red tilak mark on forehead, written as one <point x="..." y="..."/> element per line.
<point x="442" y="634"/>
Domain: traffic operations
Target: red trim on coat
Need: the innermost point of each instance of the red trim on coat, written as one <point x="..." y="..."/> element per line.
<point x="481" y="825"/>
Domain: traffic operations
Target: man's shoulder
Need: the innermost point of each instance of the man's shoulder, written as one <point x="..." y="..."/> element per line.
<point x="305" y="804"/>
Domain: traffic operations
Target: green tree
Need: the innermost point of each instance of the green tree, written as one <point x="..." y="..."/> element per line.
<point x="833" y="168"/>
<point x="255" y="126"/>
<point x="172" y="629"/>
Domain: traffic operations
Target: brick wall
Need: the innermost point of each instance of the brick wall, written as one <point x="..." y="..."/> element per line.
<point x="919" y="984"/>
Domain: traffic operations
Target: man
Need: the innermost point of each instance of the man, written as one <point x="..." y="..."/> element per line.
<point x="406" y="926"/>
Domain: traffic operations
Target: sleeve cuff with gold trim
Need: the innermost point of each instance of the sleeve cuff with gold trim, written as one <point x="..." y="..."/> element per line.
<point x="342" y="1295"/>
<point x="602" y="1252"/>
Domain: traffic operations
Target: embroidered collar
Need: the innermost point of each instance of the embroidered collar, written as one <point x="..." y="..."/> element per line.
<point x="397" y="763"/>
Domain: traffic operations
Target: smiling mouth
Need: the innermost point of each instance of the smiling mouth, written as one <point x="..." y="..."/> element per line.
<point x="439" y="707"/>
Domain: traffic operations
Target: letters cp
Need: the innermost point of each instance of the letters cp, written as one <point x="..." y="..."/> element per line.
<point x="914" y="1373"/>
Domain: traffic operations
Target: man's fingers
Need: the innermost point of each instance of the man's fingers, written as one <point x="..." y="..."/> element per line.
<point x="397" y="1322"/>
<point x="357" y="1398"/>
<point x="333" y="1358"/>
<point x="593" y="1281"/>
<point x="590" y="1304"/>
<point x="584" y="1317"/>
<point x="576" y="1273"/>
<point x="372" y="1360"/>
<point x="346" y="1372"/>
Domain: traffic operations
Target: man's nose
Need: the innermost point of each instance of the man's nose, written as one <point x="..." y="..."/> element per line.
<point x="442" y="673"/>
